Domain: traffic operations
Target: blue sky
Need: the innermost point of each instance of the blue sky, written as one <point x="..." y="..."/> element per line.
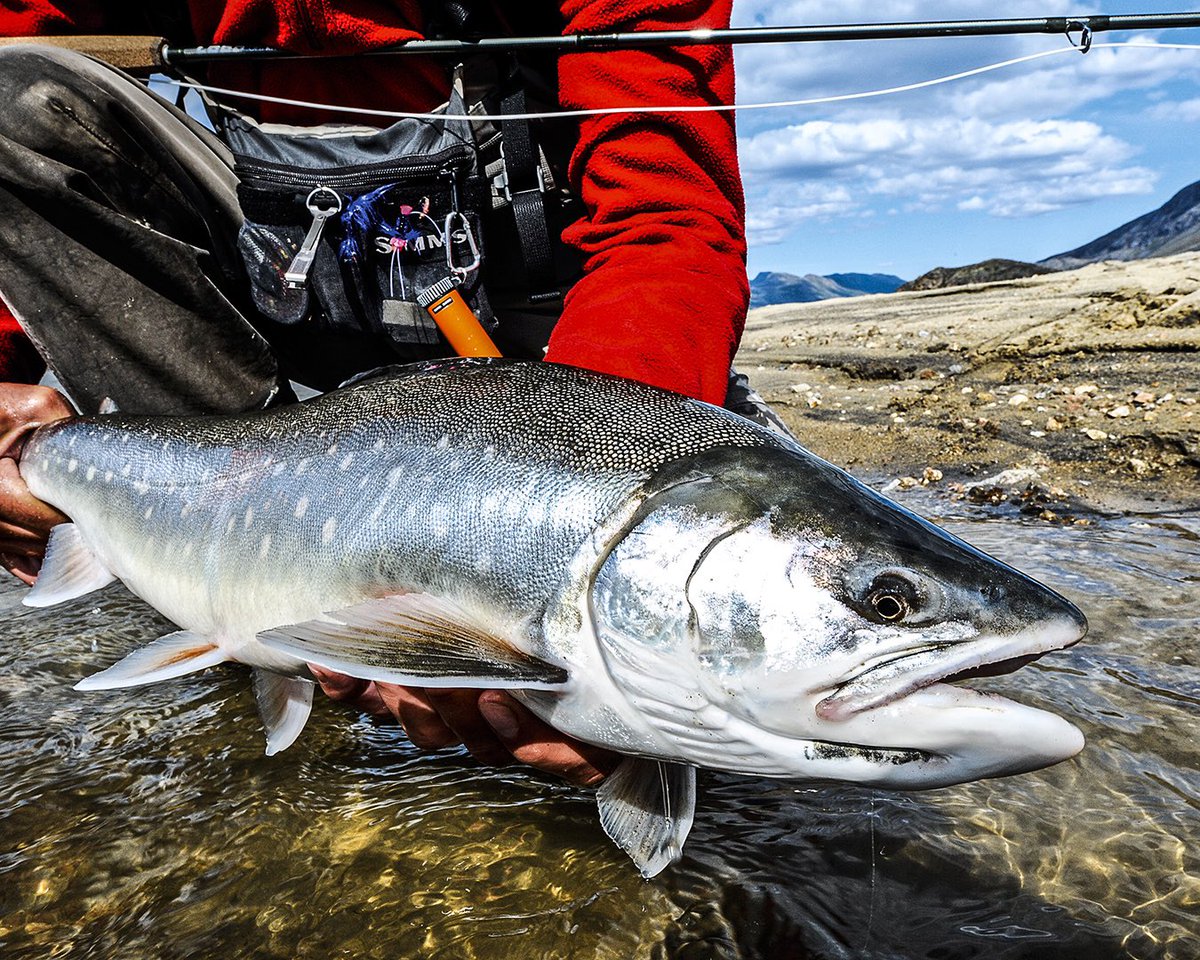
<point x="1022" y="163"/>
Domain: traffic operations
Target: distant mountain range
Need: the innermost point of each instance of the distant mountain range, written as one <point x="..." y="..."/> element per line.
<point x="768" y="287"/>
<point x="1172" y="228"/>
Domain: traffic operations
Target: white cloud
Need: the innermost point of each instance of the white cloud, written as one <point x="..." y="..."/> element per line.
<point x="1177" y="111"/>
<point x="1011" y="169"/>
<point x="1018" y="142"/>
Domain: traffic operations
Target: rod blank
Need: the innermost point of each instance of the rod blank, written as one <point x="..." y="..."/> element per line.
<point x="581" y="42"/>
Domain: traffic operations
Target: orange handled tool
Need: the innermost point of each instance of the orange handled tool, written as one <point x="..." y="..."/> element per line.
<point x="456" y="321"/>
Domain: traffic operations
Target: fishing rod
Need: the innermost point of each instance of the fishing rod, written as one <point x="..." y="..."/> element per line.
<point x="581" y="42"/>
<point x="147" y="53"/>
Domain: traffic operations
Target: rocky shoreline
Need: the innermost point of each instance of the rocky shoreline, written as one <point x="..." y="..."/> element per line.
<point x="1065" y="394"/>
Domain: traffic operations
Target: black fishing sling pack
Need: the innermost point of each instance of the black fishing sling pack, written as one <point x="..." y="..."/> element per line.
<point x="345" y="227"/>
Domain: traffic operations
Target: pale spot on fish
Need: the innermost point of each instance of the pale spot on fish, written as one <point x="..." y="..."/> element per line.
<point x="91" y="473"/>
<point x="301" y="507"/>
<point x="278" y="469"/>
<point x="327" y="530"/>
<point x="229" y="525"/>
<point x="444" y="442"/>
<point x="149" y="513"/>
<point x="142" y="487"/>
<point x="125" y="470"/>
<point x="108" y="476"/>
<point x="264" y="546"/>
<point x="377" y="445"/>
<point x="332" y="449"/>
<point x="71" y="465"/>
<point x="346" y="461"/>
<point x="249" y="518"/>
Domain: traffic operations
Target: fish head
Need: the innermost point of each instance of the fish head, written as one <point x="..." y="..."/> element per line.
<point x="825" y="628"/>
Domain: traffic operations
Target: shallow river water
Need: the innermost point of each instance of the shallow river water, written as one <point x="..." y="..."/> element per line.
<point x="149" y="824"/>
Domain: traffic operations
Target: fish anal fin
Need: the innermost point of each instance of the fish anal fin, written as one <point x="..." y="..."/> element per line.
<point x="418" y="639"/>
<point x="283" y="704"/>
<point x="174" y="655"/>
<point x="646" y="808"/>
<point x="69" y="570"/>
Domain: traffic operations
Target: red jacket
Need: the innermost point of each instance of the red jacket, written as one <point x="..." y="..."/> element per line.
<point x="664" y="291"/>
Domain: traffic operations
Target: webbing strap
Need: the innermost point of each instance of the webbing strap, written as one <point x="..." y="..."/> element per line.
<point x="523" y="168"/>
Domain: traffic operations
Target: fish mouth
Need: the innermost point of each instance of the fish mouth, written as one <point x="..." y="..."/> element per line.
<point x="916" y="669"/>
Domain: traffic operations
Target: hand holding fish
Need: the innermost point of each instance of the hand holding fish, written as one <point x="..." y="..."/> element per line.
<point x="25" y="521"/>
<point x="493" y="726"/>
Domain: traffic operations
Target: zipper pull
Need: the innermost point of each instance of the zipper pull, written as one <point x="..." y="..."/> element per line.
<point x="322" y="203"/>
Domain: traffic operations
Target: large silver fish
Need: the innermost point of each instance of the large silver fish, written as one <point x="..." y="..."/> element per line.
<point x="648" y="572"/>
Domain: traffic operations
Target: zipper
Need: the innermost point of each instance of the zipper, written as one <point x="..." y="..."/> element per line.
<point x="361" y="176"/>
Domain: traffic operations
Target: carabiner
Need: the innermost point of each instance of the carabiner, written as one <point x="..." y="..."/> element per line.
<point x="448" y="237"/>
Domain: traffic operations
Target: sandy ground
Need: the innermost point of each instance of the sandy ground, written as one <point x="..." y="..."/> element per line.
<point x="1086" y="384"/>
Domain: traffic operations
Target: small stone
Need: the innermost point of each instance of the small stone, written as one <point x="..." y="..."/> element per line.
<point x="907" y="483"/>
<point x="1140" y="467"/>
<point x="1143" y="397"/>
<point x="1117" y="412"/>
<point x="1049" y="515"/>
<point x="1095" y="434"/>
<point x="800" y="387"/>
<point x="813" y="400"/>
<point x="968" y="389"/>
<point x="1037" y="434"/>
<point x="985" y="397"/>
<point x="1017" y="399"/>
<point x="1150" y="415"/>
<point x="1082" y="522"/>
<point x="931" y="475"/>
<point x="956" y="367"/>
<point x="1052" y="425"/>
<point x="1085" y="389"/>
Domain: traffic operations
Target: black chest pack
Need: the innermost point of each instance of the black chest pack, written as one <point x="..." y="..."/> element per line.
<point x="348" y="230"/>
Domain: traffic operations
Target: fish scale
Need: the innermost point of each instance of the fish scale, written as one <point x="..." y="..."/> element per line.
<point x="646" y="572"/>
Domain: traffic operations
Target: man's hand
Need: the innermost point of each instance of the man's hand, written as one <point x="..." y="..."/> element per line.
<point x="25" y="521"/>
<point x="492" y="725"/>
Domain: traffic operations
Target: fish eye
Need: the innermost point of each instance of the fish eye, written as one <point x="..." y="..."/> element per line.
<point x="892" y="598"/>
<point x="889" y="606"/>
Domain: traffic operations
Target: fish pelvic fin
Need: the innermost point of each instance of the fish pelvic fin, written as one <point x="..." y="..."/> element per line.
<point x="284" y="704"/>
<point x="647" y="808"/>
<point x="415" y="639"/>
<point x="173" y="655"/>
<point x="69" y="570"/>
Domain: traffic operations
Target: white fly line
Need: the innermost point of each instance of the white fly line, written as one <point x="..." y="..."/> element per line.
<point x="688" y="108"/>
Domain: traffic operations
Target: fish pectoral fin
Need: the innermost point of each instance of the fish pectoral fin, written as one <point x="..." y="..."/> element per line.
<point x="284" y="704"/>
<point x="174" y="655"/>
<point x="69" y="570"/>
<point x="414" y="639"/>
<point x="646" y="808"/>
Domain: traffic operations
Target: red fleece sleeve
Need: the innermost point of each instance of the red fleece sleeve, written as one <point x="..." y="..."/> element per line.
<point x="664" y="294"/>
<point x="40" y="18"/>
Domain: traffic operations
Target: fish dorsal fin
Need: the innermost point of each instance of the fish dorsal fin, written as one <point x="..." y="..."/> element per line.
<point x="174" y="655"/>
<point x="647" y="807"/>
<point x="69" y="570"/>
<point x="283" y="704"/>
<point x="414" y="638"/>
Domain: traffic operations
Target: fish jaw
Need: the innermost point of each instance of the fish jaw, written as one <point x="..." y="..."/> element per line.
<point x="921" y="667"/>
